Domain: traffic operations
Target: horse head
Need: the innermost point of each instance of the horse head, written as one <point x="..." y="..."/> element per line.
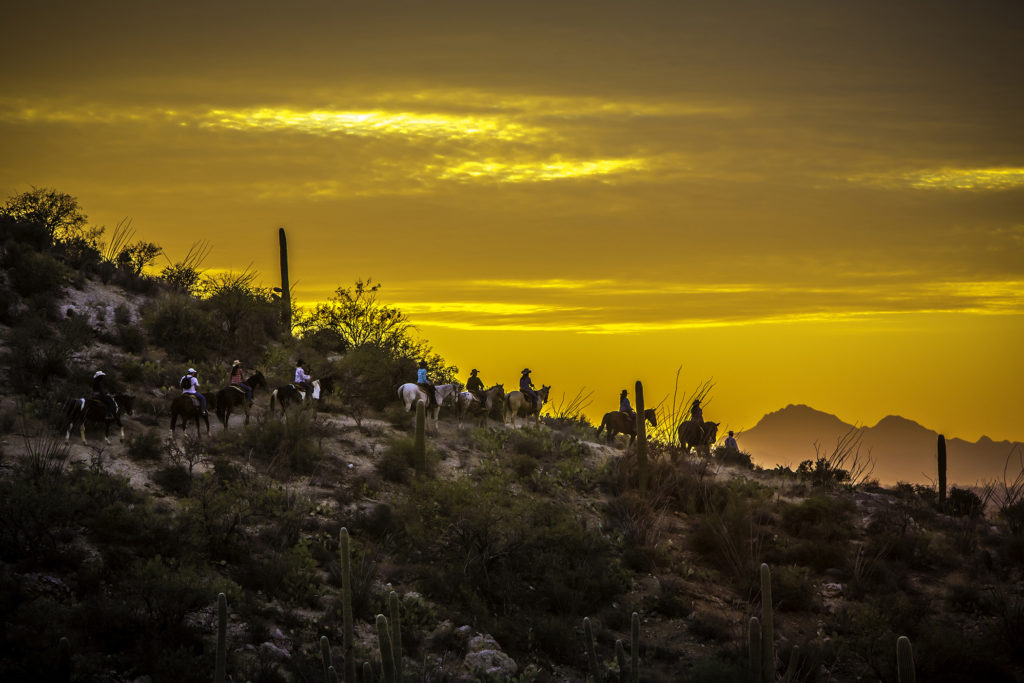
<point x="710" y="433"/>
<point x="257" y="381"/>
<point x="651" y="416"/>
<point x="543" y="393"/>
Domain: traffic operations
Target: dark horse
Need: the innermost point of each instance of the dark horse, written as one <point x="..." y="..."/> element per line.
<point x="291" y="393"/>
<point x="184" y="407"/>
<point x="618" y="422"/>
<point x="93" y="409"/>
<point x="233" y="395"/>
<point x="693" y="435"/>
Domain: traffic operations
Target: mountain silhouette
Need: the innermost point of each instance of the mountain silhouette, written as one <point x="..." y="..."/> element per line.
<point x="902" y="450"/>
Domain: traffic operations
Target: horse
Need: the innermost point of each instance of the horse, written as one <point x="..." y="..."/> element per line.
<point x="410" y="393"/>
<point x="693" y="435"/>
<point x="467" y="402"/>
<point x="233" y="395"/>
<point x="185" y="407"/>
<point x="93" y="409"/>
<point x="618" y="422"/>
<point x="291" y="393"/>
<point x="516" y="401"/>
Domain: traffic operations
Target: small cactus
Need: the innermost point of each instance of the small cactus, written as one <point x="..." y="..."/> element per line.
<point x="588" y="635"/>
<point x="419" y="447"/>
<point x="905" y="660"/>
<point x="325" y="656"/>
<point x="396" y="633"/>
<point x="754" y="649"/>
<point x="767" y="627"/>
<point x="221" y="662"/>
<point x="64" y="661"/>
<point x="367" y="673"/>
<point x="620" y="659"/>
<point x="634" y="647"/>
<point x="387" y="655"/>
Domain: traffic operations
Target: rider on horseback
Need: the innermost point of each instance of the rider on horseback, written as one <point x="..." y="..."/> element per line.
<point x="99" y="390"/>
<point x="624" y="406"/>
<point x="303" y="380"/>
<point x="238" y="379"/>
<point x="427" y="387"/>
<point x="526" y="387"/>
<point x="190" y="385"/>
<point x="696" y="414"/>
<point x="730" y="442"/>
<point x="475" y="386"/>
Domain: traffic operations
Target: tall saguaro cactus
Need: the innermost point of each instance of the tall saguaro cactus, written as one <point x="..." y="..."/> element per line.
<point x="286" y="295"/>
<point x="942" y="472"/>
<point x="905" y="660"/>
<point x="347" y="628"/>
<point x="396" y="633"/>
<point x="641" y="438"/>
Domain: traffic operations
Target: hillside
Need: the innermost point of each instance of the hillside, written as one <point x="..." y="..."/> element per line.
<point x="494" y="554"/>
<point x="902" y="450"/>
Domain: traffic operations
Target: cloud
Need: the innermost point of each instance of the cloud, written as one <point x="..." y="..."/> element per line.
<point x="968" y="179"/>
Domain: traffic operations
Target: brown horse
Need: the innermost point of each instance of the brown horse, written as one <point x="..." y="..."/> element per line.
<point x="78" y="411"/>
<point x="618" y="422"/>
<point x="231" y="396"/>
<point x="292" y="393"/>
<point x="468" y="403"/>
<point x="693" y="435"/>
<point x="184" y="407"/>
<point x="517" y="405"/>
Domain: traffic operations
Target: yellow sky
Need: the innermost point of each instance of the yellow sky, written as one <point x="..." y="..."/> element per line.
<point x="810" y="202"/>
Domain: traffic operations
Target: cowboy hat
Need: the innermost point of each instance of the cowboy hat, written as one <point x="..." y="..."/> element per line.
<point x="526" y="371"/>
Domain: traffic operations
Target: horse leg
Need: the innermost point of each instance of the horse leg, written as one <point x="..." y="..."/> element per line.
<point x="81" y="429"/>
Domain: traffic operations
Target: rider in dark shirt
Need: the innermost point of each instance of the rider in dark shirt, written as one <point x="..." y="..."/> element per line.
<point x="99" y="390"/>
<point x="624" y="405"/>
<point x="526" y="387"/>
<point x="476" y="386"/>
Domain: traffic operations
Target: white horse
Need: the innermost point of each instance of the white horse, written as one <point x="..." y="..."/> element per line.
<point x="468" y="403"/>
<point x="410" y="393"/>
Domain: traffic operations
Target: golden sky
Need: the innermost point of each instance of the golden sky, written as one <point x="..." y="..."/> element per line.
<point x="810" y="202"/>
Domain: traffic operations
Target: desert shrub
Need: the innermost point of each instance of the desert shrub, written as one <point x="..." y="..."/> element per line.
<point x="34" y="274"/>
<point x="734" y="457"/>
<point x="484" y="550"/>
<point x="178" y="325"/>
<point x="173" y="479"/>
<point x="719" y="669"/>
<point x="670" y="599"/>
<point x="710" y="626"/>
<point x="818" y="533"/>
<point x="395" y="463"/>
<point x="39" y="350"/>
<point x="287" y="445"/>
<point x="794" y="589"/>
<point x="146" y="445"/>
<point x="131" y="338"/>
<point x="964" y="503"/>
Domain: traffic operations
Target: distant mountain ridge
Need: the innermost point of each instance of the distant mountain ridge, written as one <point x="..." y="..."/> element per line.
<point x="902" y="449"/>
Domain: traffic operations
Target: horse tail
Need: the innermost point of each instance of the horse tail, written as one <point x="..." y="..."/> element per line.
<point x="604" y="422"/>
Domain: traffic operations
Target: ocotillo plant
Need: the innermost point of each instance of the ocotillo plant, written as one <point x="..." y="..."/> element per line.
<point x="419" y="447"/>
<point x="641" y="438"/>
<point x="942" y="472"/>
<point x="221" y="661"/>
<point x="396" y="633"/>
<point x="905" y="660"/>
<point x="286" y="295"/>
<point x="767" y="627"/>
<point x="347" y="629"/>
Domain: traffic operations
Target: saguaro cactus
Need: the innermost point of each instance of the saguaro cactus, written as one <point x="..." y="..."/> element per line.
<point x="347" y="628"/>
<point x="221" y="661"/>
<point x="767" y="626"/>
<point x="325" y="656"/>
<point x="419" y="447"/>
<point x="286" y="295"/>
<point x="641" y="438"/>
<point x="64" y="660"/>
<point x="942" y="472"/>
<point x="905" y="660"/>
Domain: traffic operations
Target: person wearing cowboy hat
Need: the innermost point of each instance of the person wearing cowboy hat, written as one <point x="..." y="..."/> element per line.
<point x="696" y="414"/>
<point x="476" y="386"/>
<point x="526" y="387"/>
<point x="190" y="385"/>
<point x="99" y="390"/>
<point x="730" y="442"/>
<point x="624" y="406"/>
<point x="237" y="379"/>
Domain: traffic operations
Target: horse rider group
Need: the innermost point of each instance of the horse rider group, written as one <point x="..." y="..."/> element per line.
<point x="475" y="385"/>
